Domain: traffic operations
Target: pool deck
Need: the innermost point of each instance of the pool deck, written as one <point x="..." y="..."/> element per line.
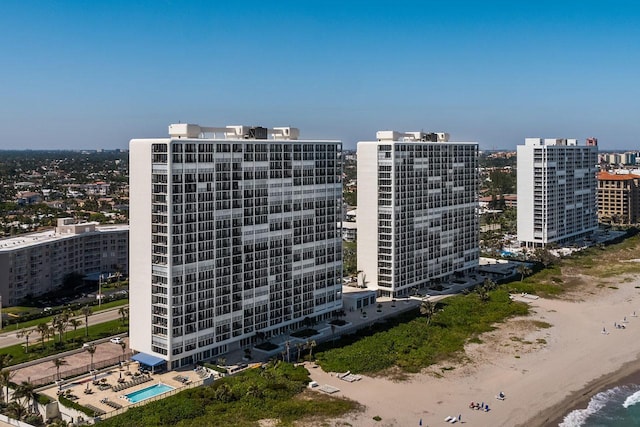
<point x="111" y="377"/>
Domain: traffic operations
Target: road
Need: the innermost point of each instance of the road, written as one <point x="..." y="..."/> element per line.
<point x="9" y="338"/>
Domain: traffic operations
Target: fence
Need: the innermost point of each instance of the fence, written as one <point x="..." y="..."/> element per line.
<point x="80" y="370"/>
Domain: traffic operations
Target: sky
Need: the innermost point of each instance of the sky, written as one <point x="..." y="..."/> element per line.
<point x="95" y="74"/>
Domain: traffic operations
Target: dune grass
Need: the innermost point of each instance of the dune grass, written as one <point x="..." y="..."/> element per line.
<point x="411" y="344"/>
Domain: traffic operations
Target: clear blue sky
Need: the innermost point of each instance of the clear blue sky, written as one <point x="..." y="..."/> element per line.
<point x="94" y="74"/>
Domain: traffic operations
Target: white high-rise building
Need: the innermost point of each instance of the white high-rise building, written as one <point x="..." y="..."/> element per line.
<point x="417" y="211"/>
<point x="557" y="191"/>
<point x="234" y="231"/>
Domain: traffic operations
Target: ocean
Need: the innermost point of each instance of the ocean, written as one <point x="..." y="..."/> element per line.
<point x="616" y="407"/>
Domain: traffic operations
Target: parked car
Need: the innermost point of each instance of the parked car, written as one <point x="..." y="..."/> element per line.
<point x="116" y="340"/>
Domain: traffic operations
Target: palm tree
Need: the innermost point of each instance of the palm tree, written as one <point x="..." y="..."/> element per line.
<point x="427" y="308"/>
<point x="58" y="362"/>
<point x="91" y="349"/>
<point x="124" y="313"/>
<point x="489" y="284"/>
<point x="27" y="391"/>
<point x="299" y="347"/>
<point x="59" y="324"/>
<point x="86" y="310"/>
<point x="5" y="381"/>
<point x="123" y="346"/>
<point x="310" y="345"/>
<point x="75" y="323"/>
<point x="24" y="333"/>
<point x="43" y="330"/>
<point x="16" y="410"/>
<point x="482" y="293"/>
<point x="523" y="270"/>
<point x="286" y="346"/>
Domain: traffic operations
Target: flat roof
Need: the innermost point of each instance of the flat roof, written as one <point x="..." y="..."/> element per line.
<point x="48" y="236"/>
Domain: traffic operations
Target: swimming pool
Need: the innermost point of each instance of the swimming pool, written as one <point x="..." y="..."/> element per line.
<point x="148" y="392"/>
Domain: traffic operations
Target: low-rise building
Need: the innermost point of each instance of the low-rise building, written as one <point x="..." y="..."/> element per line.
<point x="35" y="263"/>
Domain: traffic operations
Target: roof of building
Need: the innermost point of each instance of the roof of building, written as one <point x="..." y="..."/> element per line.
<point x="32" y="239"/>
<point x="616" y="177"/>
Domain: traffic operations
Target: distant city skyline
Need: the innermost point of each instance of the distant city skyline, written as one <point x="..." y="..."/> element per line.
<point x="94" y="75"/>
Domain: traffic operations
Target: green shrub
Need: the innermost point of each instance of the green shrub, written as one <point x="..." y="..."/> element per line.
<point x="71" y="404"/>
<point x="241" y="400"/>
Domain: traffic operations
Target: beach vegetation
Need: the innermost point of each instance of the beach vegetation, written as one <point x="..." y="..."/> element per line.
<point x="540" y="324"/>
<point x="377" y="418"/>
<point x="410" y="343"/>
<point x="278" y="391"/>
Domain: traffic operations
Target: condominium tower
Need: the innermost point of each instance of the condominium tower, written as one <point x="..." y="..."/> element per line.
<point x="234" y="231"/>
<point x="557" y="199"/>
<point x="417" y="211"/>
<point x="36" y="263"/>
<point x="618" y="198"/>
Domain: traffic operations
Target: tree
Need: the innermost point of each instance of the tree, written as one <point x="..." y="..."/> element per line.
<point x="123" y="346"/>
<point x="310" y="346"/>
<point x="91" y="349"/>
<point x="523" y="270"/>
<point x="58" y="362"/>
<point x="5" y="381"/>
<point x="16" y="410"/>
<point x="43" y="330"/>
<point x="489" y="284"/>
<point x="59" y="323"/>
<point x="483" y="294"/>
<point x="299" y="347"/>
<point x="75" y="323"/>
<point x="427" y="309"/>
<point x="5" y="374"/>
<point x="124" y="313"/>
<point x="286" y="346"/>
<point x="86" y="311"/>
<point x="27" y="391"/>
<point x="24" y="333"/>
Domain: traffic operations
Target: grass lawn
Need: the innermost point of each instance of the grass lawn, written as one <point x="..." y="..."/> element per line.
<point x="72" y="340"/>
<point x="36" y="322"/>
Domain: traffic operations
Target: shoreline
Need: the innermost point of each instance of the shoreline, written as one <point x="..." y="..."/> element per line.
<point x="627" y="374"/>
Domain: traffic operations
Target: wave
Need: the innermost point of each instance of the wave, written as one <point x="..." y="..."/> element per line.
<point x="632" y="400"/>
<point x="578" y="417"/>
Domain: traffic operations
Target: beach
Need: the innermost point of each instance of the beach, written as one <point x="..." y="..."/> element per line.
<point x="546" y="364"/>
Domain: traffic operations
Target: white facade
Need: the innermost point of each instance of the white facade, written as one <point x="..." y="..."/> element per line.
<point x="557" y="191"/>
<point x="232" y="233"/>
<point x="36" y="263"/>
<point x="417" y="211"/>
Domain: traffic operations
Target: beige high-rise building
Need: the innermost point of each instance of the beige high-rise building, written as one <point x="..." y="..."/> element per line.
<point x="618" y="198"/>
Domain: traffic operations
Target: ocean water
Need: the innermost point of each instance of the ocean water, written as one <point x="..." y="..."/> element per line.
<point x="616" y="407"/>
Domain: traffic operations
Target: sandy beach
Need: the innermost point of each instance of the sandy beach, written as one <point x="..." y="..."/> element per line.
<point x="542" y="371"/>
